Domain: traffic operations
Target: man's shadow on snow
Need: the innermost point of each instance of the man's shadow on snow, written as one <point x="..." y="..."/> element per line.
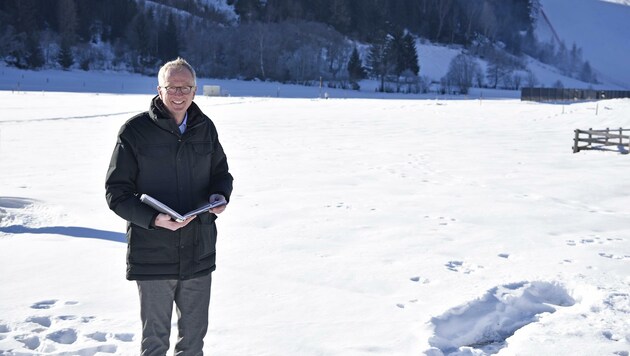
<point x="19" y="203"/>
<point x="74" y="231"/>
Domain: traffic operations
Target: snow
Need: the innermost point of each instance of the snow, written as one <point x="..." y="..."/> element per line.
<point x="224" y="7"/>
<point x="220" y="6"/>
<point x="357" y="227"/>
<point x="435" y="59"/>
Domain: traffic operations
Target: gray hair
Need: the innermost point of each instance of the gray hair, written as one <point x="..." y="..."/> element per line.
<point x="176" y="65"/>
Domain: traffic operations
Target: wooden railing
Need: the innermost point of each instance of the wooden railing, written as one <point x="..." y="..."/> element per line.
<point x="601" y="140"/>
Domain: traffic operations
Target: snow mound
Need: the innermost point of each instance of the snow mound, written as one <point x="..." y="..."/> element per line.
<point x="482" y="326"/>
<point x="29" y="216"/>
<point x="17" y="211"/>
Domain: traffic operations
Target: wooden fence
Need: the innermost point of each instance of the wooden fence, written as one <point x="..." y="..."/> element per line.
<point x="569" y="95"/>
<point x="601" y="140"/>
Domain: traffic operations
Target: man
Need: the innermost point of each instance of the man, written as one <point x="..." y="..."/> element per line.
<point x="173" y="154"/>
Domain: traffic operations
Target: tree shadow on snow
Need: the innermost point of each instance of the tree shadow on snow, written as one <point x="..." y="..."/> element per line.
<point x="73" y="231"/>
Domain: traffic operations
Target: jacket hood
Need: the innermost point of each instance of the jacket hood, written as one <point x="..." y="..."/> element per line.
<point x="160" y="115"/>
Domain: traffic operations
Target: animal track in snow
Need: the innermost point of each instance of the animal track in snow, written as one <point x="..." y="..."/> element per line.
<point x="419" y="279"/>
<point x="594" y="240"/>
<point x="59" y="334"/>
<point x="485" y="323"/>
<point x="614" y="257"/>
<point x="441" y="220"/>
<point x="619" y="302"/>
<point x="463" y="267"/>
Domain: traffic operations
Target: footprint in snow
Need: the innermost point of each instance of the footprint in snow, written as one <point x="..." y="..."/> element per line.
<point x="419" y="279"/>
<point x="30" y="342"/>
<point x="485" y="323"/>
<point x="619" y="302"/>
<point x="461" y="266"/>
<point x="64" y="336"/>
<point x="441" y="220"/>
<point x="58" y="334"/>
<point x="46" y="304"/>
<point x="614" y="257"/>
<point x="44" y="321"/>
<point x="594" y="240"/>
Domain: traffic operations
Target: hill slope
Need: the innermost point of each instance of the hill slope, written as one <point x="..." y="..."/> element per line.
<point x="599" y="27"/>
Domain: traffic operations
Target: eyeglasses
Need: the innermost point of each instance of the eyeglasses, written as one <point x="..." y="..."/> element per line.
<point x="183" y="90"/>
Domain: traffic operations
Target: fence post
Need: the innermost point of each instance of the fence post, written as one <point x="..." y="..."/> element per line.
<point x="576" y="149"/>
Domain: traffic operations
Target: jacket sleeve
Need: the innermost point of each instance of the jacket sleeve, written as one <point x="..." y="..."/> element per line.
<point x="221" y="180"/>
<point x="120" y="184"/>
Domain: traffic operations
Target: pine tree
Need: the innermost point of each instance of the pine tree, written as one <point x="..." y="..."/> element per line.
<point x="586" y="74"/>
<point x="410" y="54"/>
<point x="249" y="10"/>
<point x="380" y="59"/>
<point x="168" y="43"/>
<point x="65" y="57"/>
<point x="34" y="53"/>
<point x="67" y="17"/>
<point x="340" y="15"/>
<point x="356" y="71"/>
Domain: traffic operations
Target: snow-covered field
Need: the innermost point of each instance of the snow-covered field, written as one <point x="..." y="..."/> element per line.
<point x="357" y="227"/>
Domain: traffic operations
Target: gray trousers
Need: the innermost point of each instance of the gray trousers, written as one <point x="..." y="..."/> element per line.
<point x="192" y="300"/>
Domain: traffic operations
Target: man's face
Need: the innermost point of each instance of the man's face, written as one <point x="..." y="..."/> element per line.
<point x="177" y="102"/>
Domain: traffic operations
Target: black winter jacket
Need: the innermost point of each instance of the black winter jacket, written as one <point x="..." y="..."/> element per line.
<point x="181" y="170"/>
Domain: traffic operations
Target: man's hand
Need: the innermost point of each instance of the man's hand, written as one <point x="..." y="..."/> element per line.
<point x="165" y="221"/>
<point x="215" y="198"/>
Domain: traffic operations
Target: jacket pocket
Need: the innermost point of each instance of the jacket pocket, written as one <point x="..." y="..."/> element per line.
<point x="201" y="156"/>
<point x="205" y="237"/>
<point x="203" y="148"/>
<point x="151" y="246"/>
<point x="156" y="151"/>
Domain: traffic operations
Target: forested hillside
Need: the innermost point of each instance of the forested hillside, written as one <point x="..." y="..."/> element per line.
<point x="443" y="21"/>
<point x="299" y="41"/>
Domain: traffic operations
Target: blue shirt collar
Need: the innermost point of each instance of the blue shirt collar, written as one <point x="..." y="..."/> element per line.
<point x="182" y="126"/>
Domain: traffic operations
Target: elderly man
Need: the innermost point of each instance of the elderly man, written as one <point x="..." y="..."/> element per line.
<point x="172" y="153"/>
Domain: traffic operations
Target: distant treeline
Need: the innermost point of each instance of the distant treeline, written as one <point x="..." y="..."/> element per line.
<point x="301" y="41"/>
<point x="443" y="21"/>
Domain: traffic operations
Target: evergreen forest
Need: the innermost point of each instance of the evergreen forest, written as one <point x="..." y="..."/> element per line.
<point x="293" y="41"/>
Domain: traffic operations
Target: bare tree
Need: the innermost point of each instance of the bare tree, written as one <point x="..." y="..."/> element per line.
<point x="461" y="72"/>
